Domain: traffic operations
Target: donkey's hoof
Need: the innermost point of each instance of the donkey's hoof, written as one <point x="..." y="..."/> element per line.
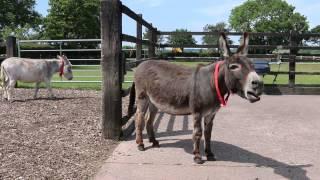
<point x="141" y="147"/>
<point x="52" y="97"/>
<point x="155" y="144"/>
<point x="198" y="160"/>
<point x="211" y="157"/>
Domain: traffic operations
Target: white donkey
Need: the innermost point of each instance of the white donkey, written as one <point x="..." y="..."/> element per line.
<point x="33" y="71"/>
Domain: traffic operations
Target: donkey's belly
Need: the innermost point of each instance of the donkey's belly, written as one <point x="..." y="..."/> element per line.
<point x="171" y="109"/>
<point x="30" y="79"/>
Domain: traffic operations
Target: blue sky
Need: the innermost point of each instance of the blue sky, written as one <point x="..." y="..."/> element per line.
<point x="168" y="15"/>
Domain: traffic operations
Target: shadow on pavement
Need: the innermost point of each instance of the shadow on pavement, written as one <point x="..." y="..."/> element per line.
<point x="226" y="152"/>
<point x="232" y="153"/>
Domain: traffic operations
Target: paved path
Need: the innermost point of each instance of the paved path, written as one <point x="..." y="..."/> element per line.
<point x="276" y="138"/>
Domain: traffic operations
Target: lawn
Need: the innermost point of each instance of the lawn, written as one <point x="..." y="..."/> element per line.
<point x="92" y="76"/>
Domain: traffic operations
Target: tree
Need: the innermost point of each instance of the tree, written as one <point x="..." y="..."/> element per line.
<point x="315" y="40"/>
<point x="68" y="19"/>
<point x="213" y="39"/>
<point x="181" y="39"/>
<point x="160" y="38"/>
<point x="268" y="16"/>
<point x="18" y="17"/>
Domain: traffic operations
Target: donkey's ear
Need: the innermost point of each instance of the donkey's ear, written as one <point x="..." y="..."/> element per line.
<point x="243" y="48"/>
<point x="223" y="45"/>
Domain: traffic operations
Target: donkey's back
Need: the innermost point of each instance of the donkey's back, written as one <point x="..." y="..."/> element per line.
<point x="26" y="70"/>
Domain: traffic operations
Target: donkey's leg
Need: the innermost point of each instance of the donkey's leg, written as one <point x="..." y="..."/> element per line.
<point x="10" y="89"/>
<point x="5" y="91"/>
<point x="142" y="107"/>
<point x="48" y="85"/>
<point x="36" y="90"/>
<point x="208" y="122"/>
<point x="196" y="137"/>
<point x="152" y="114"/>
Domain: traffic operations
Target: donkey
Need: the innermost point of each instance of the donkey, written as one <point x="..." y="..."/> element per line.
<point x="32" y="70"/>
<point x="200" y="91"/>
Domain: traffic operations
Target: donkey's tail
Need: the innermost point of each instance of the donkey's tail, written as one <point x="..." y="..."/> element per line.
<point x="3" y="77"/>
<point x="132" y="99"/>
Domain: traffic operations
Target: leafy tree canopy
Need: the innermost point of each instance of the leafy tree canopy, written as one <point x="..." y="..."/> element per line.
<point x="213" y="39"/>
<point x="316" y="29"/>
<point x="315" y="40"/>
<point x="267" y="16"/>
<point x="73" y="19"/>
<point x="145" y="35"/>
<point x="181" y="39"/>
<point x="19" y="18"/>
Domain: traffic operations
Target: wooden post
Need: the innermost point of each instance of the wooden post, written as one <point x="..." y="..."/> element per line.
<point x="292" y="61"/>
<point x="151" y="47"/>
<point x="11" y="47"/>
<point x="139" y="36"/>
<point x="154" y="40"/>
<point x="292" y="70"/>
<point x="111" y="21"/>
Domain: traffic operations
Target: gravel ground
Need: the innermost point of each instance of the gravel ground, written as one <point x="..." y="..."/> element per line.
<point x="52" y="139"/>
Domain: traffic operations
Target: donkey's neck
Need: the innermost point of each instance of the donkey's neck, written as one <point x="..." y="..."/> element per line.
<point x="221" y="78"/>
<point x="54" y="66"/>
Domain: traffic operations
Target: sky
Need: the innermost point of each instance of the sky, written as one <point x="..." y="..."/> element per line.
<point x="168" y="15"/>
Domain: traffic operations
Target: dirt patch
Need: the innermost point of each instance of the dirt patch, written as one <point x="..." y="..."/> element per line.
<point x="52" y="139"/>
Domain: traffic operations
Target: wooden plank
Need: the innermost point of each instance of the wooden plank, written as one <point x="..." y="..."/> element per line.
<point x="111" y="18"/>
<point x="296" y="73"/>
<point x="129" y="38"/>
<point x="136" y="17"/>
<point x="217" y="33"/>
<point x="307" y="58"/>
<point x="236" y="46"/>
<point x="274" y="89"/>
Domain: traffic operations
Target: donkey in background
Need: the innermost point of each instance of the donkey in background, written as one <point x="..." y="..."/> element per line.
<point x="33" y="71"/>
<point x="179" y="90"/>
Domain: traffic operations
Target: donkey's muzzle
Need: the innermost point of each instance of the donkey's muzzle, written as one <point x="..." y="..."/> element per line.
<point x="255" y="91"/>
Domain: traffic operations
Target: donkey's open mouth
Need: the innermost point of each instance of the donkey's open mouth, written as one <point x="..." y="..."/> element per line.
<point x="253" y="97"/>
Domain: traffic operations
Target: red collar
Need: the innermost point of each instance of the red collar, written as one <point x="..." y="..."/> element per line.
<point x="61" y="68"/>
<point x="214" y="80"/>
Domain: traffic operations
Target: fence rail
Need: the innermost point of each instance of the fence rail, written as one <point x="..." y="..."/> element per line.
<point x="253" y="34"/>
<point x="236" y="46"/>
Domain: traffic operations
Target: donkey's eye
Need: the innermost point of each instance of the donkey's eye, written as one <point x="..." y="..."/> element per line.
<point x="234" y="67"/>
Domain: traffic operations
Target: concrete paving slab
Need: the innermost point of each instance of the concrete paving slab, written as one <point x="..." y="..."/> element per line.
<point x="276" y="138"/>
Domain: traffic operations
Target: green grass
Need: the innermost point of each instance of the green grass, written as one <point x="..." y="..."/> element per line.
<point x="96" y="72"/>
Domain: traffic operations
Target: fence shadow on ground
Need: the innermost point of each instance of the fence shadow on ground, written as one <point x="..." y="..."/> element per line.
<point x="231" y="153"/>
<point x="228" y="152"/>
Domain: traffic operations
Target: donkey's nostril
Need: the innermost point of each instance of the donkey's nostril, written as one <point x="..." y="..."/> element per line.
<point x="255" y="83"/>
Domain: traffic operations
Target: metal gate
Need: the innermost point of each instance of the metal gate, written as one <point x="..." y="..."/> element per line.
<point x="83" y="73"/>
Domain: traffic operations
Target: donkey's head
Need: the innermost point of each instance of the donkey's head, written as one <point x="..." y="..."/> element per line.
<point x="66" y="67"/>
<point x="240" y="75"/>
